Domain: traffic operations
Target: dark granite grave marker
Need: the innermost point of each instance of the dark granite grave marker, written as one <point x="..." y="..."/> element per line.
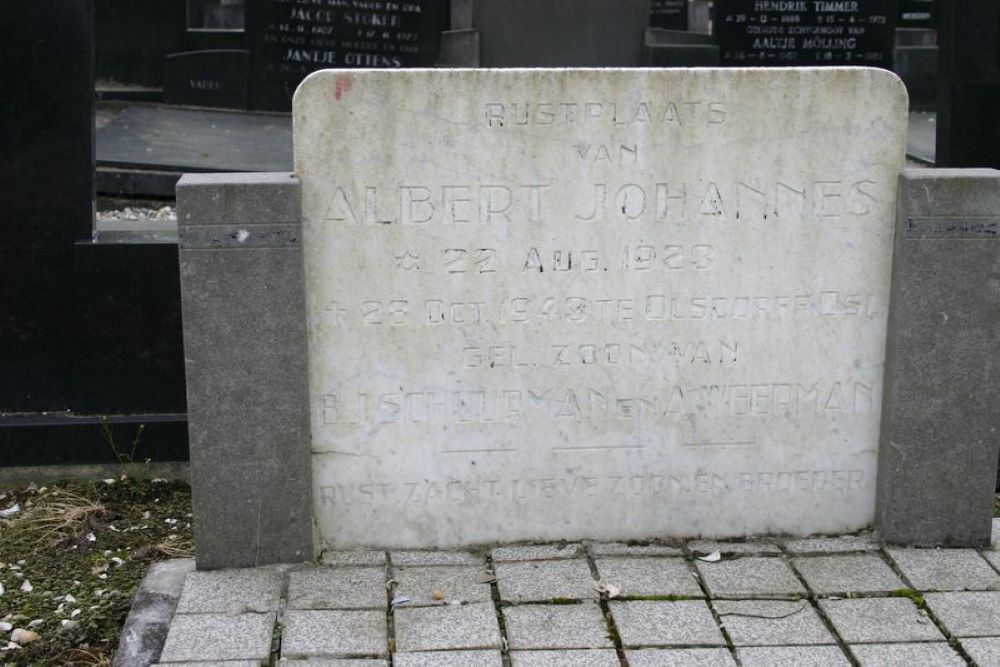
<point x="290" y="39"/>
<point x="669" y="14"/>
<point x="805" y="32"/>
<point x="207" y="78"/>
<point x="86" y="330"/>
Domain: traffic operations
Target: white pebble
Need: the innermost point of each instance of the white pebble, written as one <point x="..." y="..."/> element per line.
<point x="35" y="623"/>
<point x="5" y="626"/>
<point x="22" y="636"/>
<point x="26" y="586"/>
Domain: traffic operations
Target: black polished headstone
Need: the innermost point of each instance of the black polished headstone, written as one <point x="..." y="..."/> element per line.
<point x="669" y="14"/>
<point x="87" y="332"/>
<point x="289" y="40"/>
<point x="46" y="177"/>
<point x="968" y="132"/>
<point x="207" y="79"/>
<point x="805" y="32"/>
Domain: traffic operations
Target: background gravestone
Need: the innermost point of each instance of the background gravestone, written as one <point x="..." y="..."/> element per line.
<point x="968" y="134"/>
<point x="546" y="304"/>
<point x="288" y="41"/>
<point x="669" y="14"/>
<point x="207" y="78"/>
<point x="752" y="34"/>
<point x="561" y="33"/>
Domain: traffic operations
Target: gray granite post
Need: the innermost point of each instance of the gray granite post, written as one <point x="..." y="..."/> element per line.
<point x="243" y="301"/>
<point x="941" y="408"/>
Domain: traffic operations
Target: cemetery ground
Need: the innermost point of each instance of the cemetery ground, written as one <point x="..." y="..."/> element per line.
<point x="71" y="557"/>
<point x="73" y="553"/>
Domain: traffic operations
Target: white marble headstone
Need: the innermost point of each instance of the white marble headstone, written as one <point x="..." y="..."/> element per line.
<point x="610" y="304"/>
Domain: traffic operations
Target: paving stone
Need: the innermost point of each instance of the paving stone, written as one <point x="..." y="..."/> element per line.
<point x="748" y="548"/>
<point x="214" y="663"/>
<point x="410" y="558"/>
<point x="879" y="620"/>
<point x="772" y="623"/>
<point x="599" y="549"/>
<point x="337" y="588"/>
<point x="984" y="650"/>
<point x="356" y="558"/>
<point x="792" y="656"/>
<point x="938" y="654"/>
<point x="680" y="657"/>
<point x="649" y="576"/>
<point x="556" y="626"/>
<point x="335" y="662"/>
<point x="334" y="633"/>
<point x="967" y="614"/>
<point x="230" y="592"/>
<point x="861" y="573"/>
<point x="214" y="637"/>
<point x="533" y="581"/>
<point x="537" y="552"/>
<point x="993" y="557"/>
<point x="459" y="584"/>
<point x="750" y="577"/>
<point x="830" y="545"/>
<point x="995" y="534"/>
<point x="448" y="659"/>
<point x="946" y="569"/>
<point x="683" y="623"/>
<point x="469" y="626"/>
<point x="604" y="657"/>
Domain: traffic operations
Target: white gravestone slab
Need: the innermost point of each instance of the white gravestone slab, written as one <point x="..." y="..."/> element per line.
<point x="563" y="304"/>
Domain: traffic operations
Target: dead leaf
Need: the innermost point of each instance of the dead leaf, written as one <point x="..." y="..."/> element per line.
<point x="437" y="595"/>
<point x="713" y="557"/>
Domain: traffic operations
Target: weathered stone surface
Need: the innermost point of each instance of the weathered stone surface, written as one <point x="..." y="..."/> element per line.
<point x="407" y="558"/>
<point x="488" y="301"/>
<point x="195" y="637"/>
<point x="448" y="659"/>
<point x="230" y="592"/>
<point x="152" y="609"/>
<point x="337" y="588"/>
<point x="353" y="558"/>
<point x="243" y="305"/>
<point x="906" y="655"/>
<point x="863" y="573"/>
<point x="939" y="444"/>
<point x="945" y="569"/>
<point x="456" y="584"/>
<point x="537" y="552"/>
<point x="819" y="545"/>
<point x="470" y="626"/>
<point x="680" y="657"/>
<point x="772" y="623"/>
<point x="748" y="548"/>
<point x="600" y="549"/>
<point x="684" y="623"/>
<point x="879" y="620"/>
<point x="334" y="662"/>
<point x="565" y="658"/>
<point x="967" y="614"/>
<point x="792" y="656"/>
<point x="354" y="633"/>
<point x="534" y="581"/>
<point x="984" y="650"/>
<point x="757" y="577"/>
<point x="649" y="576"/>
<point x="555" y="626"/>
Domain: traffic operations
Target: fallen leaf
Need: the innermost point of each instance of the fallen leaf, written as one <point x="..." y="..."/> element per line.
<point x="10" y="511"/>
<point x="400" y="599"/>
<point x="713" y="557"/>
<point x="608" y="591"/>
<point x="437" y="595"/>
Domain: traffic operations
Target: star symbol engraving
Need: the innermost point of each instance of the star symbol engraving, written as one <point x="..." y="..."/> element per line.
<point x="408" y="262"/>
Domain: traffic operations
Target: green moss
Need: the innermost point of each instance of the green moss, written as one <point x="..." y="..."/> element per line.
<point x="564" y="601"/>
<point x="909" y="594"/>
<point x="70" y="534"/>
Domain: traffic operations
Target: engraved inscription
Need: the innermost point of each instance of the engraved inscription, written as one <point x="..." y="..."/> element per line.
<point x="948" y="229"/>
